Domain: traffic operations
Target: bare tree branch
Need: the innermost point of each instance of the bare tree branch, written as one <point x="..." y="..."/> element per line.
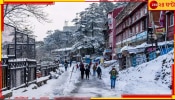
<point x="19" y="15"/>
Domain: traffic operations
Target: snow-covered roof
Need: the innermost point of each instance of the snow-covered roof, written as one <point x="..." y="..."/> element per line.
<point x="21" y="59"/>
<point x="144" y="45"/>
<point x="4" y="56"/>
<point x="63" y="49"/>
<point x="138" y="48"/>
<point x="126" y="48"/>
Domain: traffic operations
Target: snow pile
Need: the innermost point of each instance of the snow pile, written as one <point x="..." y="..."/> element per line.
<point x="126" y="48"/>
<point x="153" y="77"/>
<point x="42" y="78"/>
<point x="109" y="63"/>
<point x="163" y="76"/>
<point x="6" y="92"/>
<point x="46" y="90"/>
<point x="72" y="80"/>
<point x="56" y="74"/>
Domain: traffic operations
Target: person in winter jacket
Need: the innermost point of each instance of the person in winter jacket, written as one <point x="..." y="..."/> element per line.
<point x="94" y="69"/>
<point x="99" y="71"/>
<point x="65" y="65"/>
<point x="77" y="66"/>
<point x="87" y="71"/>
<point x="82" y="69"/>
<point x="113" y="74"/>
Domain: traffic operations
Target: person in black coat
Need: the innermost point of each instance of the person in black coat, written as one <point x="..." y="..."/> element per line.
<point x="82" y="69"/>
<point x="87" y="71"/>
<point x="65" y="65"/>
<point x="99" y="72"/>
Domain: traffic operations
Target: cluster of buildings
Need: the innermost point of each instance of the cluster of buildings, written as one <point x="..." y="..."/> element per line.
<point x="128" y="35"/>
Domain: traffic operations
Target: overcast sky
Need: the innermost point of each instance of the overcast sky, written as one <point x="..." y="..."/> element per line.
<point x="58" y="13"/>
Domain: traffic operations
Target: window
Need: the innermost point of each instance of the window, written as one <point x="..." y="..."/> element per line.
<point x="141" y="12"/>
<point x="130" y="30"/>
<point x="141" y="27"/>
<point x="128" y="22"/>
<point x="145" y="9"/>
<point x="132" y="19"/>
<point x="137" y="28"/>
<point x="137" y="15"/>
<point x="133" y="30"/>
<point x="109" y="21"/>
<point x="171" y="19"/>
<point x="144" y="24"/>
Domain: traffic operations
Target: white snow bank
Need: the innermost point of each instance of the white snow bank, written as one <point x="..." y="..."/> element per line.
<point x="42" y="78"/>
<point x="126" y="48"/>
<point x="109" y="63"/>
<point x="153" y="77"/>
<point x="6" y="92"/>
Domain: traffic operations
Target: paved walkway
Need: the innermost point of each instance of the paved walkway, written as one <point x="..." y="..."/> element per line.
<point x="93" y="87"/>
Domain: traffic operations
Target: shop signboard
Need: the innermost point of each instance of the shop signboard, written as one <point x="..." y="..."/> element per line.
<point x="160" y="30"/>
<point x="141" y="36"/>
<point x="150" y="49"/>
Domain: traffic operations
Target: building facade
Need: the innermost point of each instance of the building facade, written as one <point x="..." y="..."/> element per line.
<point x="170" y="25"/>
<point x="112" y="30"/>
<point x="134" y="43"/>
<point x="131" y="27"/>
<point x="131" y="30"/>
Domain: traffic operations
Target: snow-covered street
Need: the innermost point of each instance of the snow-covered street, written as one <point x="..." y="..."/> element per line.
<point x="142" y="79"/>
<point x="93" y="87"/>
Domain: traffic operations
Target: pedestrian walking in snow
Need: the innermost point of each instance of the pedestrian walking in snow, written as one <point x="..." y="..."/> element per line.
<point x="94" y="69"/>
<point x="82" y="69"/>
<point x="87" y="71"/>
<point x="113" y="74"/>
<point x="65" y="65"/>
<point x="99" y="71"/>
<point x="77" y="66"/>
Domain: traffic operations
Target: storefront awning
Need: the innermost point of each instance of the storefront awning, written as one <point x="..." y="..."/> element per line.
<point x="107" y="51"/>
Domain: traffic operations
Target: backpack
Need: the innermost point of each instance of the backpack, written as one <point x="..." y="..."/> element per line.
<point x="94" y="67"/>
<point x="113" y="73"/>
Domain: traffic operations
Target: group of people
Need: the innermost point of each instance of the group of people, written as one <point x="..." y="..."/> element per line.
<point x="97" y="69"/>
<point x="85" y="69"/>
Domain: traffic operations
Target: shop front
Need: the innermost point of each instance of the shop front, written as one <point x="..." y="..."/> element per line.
<point x="150" y="53"/>
<point x="107" y="54"/>
<point x="164" y="49"/>
<point x="120" y="59"/>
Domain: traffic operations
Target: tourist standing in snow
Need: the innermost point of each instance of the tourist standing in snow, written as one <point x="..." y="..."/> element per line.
<point x="82" y="69"/>
<point x="94" y="69"/>
<point x="99" y="72"/>
<point x="113" y="74"/>
<point x="65" y="65"/>
<point x="87" y="71"/>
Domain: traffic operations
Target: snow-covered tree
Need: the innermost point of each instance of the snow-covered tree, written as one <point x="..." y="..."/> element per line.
<point x="91" y="22"/>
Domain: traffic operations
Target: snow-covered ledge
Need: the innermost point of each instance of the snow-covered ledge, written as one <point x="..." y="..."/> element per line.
<point x="21" y="59"/>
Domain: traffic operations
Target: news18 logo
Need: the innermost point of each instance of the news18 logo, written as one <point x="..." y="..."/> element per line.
<point x="153" y="4"/>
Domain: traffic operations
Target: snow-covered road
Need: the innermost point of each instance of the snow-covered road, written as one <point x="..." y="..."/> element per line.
<point x="67" y="85"/>
<point x="93" y="87"/>
<point x="134" y="80"/>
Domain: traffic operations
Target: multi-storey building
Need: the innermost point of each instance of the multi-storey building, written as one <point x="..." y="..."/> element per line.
<point x="131" y="34"/>
<point x="131" y="27"/>
<point x="112" y="29"/>
<point x="170" y="25"/>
